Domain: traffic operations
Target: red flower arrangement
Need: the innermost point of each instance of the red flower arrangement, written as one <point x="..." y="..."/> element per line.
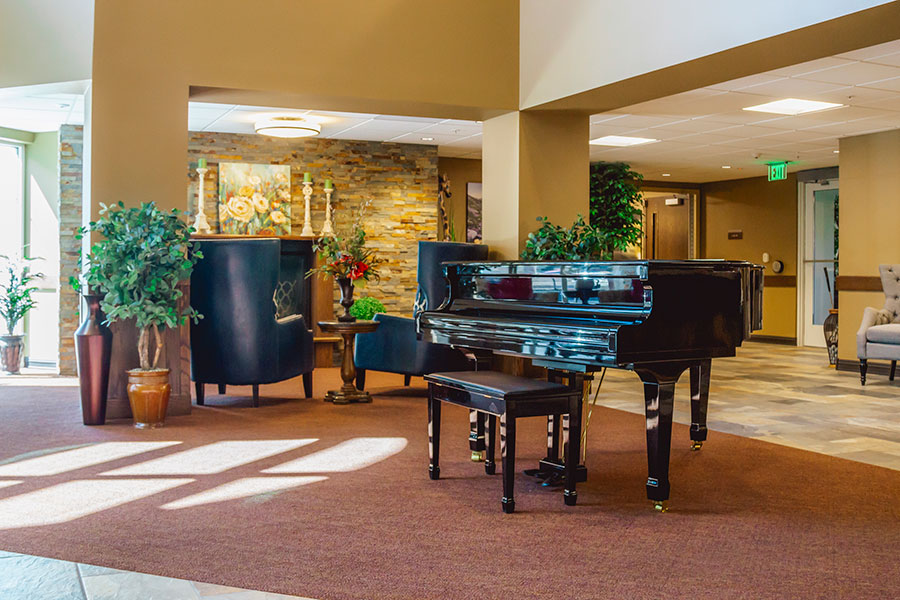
<point x="347" y="256"/>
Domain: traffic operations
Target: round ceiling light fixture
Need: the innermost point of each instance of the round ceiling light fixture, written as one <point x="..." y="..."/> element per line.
<point x="287" y="127"/>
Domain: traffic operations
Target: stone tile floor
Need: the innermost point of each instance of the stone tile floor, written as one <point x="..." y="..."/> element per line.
<point x="790" y="396"/>
<point x="780" y="394"/>
<point x="24" y="577"/>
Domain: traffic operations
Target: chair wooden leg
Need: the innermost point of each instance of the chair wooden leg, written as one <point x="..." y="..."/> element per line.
<point x="407" y="379"/>
<point x="360" y="379"/>
<point x="200" y="389"/>
<point x="221" y="389"/>
<point x="255" y="395"/>
<point x="308" y="384"/>
<point x="893" y="369"/>
<point x="863" y="365"/>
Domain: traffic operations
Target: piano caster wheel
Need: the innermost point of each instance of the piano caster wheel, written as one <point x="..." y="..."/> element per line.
<point x="661" y="506"/>
<point x="477" y="456"/>
<point x="695" y="445"/>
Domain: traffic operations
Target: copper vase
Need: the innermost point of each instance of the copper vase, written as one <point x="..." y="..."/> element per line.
<point x="148" y="394"/>
<point x="93" y="351"/>
<point x="346" y="285"/>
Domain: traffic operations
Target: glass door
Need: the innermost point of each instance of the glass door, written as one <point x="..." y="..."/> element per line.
<point x="819" y="259"/>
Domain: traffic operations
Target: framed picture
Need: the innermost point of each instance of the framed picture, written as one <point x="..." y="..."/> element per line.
<point x="254" y="199"/>
<point x="473" y="211"/>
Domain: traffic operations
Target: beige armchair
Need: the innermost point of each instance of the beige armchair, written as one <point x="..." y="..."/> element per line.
<point x="879" y="334"/>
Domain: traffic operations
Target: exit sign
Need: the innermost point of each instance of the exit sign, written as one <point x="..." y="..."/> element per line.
<point x="777" y="171"/>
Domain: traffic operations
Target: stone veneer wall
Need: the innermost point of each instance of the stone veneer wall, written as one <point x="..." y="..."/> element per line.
<point x="70" y="179"/>
<point x="400" y="180"/>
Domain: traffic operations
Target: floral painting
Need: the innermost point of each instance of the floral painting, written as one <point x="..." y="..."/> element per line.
<point x="254" y="199"/>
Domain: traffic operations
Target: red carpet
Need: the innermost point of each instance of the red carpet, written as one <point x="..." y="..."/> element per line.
<point x="748" y="520"/>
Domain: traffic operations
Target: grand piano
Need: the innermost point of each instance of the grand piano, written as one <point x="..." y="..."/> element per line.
<point x="657" y="318"/>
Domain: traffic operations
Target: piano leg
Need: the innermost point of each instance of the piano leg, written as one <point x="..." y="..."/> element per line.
<point x="573" y="451"/>
<point x="476" y="436"/>
<point x="699" y="402"/>
<point x="490" y="431"/>
<point x="434" y="434"/>
<point x="508" y="454"/>
<point x="659" y="400"/>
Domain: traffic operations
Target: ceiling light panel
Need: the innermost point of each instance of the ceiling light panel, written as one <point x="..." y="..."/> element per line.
<point x="792" y="106"/>
<point x="621" y="141"/>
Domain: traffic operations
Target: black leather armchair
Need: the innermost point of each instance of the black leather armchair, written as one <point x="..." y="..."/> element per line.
<point x="393" y="347"/>
<point x="240" y="341"/>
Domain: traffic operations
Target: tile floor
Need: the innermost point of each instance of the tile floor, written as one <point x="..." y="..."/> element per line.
<point x="780" y="394"/>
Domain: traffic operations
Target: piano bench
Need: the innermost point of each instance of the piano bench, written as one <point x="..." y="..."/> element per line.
<point x="508" y="397"/>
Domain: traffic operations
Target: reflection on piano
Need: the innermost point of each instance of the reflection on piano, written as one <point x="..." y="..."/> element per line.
<point x="657" y="318"/>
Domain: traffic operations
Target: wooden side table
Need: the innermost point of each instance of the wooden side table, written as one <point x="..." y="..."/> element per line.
<point x="347" y="330"/>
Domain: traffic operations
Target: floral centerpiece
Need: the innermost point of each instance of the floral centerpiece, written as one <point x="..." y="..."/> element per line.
<point x="347" y="259"/>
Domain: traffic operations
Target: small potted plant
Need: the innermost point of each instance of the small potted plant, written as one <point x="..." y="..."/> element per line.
<point x="16" y="299"/>
<point x="349" y="261"/>
<point x="366" y="307"/>
<point x="140" y="257"/>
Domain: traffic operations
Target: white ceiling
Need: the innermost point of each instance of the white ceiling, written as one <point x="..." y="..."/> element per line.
<point x="704" y="129"/>
<point x="699" y="131"/>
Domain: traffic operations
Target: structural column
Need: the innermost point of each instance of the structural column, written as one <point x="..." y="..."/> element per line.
<point x="535" y="164"/>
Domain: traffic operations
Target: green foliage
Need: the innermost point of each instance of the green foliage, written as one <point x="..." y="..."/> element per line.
<point x="16" y="290"/>
<point x="346" y="254"/>
<point x="616" y="204"/>
<point x="581" y="241"/>
<point x="365" y="308"/>
<point x="142" y="256"/>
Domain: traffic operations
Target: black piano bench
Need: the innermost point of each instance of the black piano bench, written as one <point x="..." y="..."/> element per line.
<point x="508" y="397"/>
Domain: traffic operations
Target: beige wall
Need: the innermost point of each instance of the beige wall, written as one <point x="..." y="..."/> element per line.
<point x="766" y="212"/>
<point x="579" y="48"/>
<point x="870" y="227"/>
<point x="460" y="171"/>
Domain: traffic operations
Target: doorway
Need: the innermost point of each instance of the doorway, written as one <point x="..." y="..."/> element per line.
<point x="819" y="251"/>
<point x="668" y="226"/>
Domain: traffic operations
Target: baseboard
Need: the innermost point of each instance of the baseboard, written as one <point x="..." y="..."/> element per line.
<point x="774" y="339"/>
<point x="875" y="367"/>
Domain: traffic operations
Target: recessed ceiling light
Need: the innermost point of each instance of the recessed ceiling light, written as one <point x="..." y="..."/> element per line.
<point x="836" y="151"/>
<point x="793" y="106"/>
<point x="287" y="127"/>
<point x="726" y="166"/>
<point x="427" y="139"/>
<point x="621" y="140"/>
<point x="666" y="174"/>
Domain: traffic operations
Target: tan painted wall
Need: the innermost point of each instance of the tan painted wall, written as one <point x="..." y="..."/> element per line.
<point x="870" y="222"/>
<point x="460" y="171"/>
<point x="766" y="212"/>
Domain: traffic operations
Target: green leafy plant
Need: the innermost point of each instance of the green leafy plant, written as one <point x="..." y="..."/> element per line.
<point x="141" y="257"/>
<point x="346" y="254"/>
<point x="16" y="290"/>
<point x="581" y="241"/>
<point x="616" y="205"/>
<point x="366" y="307"/>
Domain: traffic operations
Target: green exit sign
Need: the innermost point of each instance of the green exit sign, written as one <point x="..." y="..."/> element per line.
<point x="777" y="171"/>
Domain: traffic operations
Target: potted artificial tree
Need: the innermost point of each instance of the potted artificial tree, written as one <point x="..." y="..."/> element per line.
<point x="15" y="301"/>
<point x="137" y="262"/>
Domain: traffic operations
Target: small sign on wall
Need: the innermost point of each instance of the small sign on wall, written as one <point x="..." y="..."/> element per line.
<point x="736" y="234"/>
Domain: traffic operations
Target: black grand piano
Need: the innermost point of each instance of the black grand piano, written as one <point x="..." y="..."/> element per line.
<point x="657" y="318"/>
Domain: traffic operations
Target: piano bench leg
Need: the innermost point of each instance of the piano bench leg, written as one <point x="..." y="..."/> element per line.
<point x="490" y="430"/>
<point x="476" y="436"/>
<point x="434" y="434"/>
<point x="508" y="453"/>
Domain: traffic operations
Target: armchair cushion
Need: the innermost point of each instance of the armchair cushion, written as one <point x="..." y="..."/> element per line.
<point x="884" y="334"/>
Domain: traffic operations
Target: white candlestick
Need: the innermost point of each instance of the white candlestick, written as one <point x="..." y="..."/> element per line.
<point x="201" y="225"/>
<point x="307" y="222"/>
<point x="327" y="227"/>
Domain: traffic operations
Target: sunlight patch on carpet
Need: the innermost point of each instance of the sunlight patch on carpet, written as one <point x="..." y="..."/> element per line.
<point x="347" y="456"/>
<point x="75" y="499"/>
<point x="70" y="460"/>
<point x="209" y="459"/>
<point x="243" y="488"/>
<point x="5" y="484"/>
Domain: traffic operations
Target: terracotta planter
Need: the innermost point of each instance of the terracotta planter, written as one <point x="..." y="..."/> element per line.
<point x="11" y="349"/>
<point x="346" y="285"/>
<point x="93" y="351"/>
<point x="148" y="393"/>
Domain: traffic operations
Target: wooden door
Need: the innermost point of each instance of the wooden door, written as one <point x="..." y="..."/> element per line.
<point x="667" y="228"/>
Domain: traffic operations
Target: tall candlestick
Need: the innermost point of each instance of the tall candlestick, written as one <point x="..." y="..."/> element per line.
<point x="201" y="225"/>
<point x="327" y="227"/>
<point x="307" y="222"/>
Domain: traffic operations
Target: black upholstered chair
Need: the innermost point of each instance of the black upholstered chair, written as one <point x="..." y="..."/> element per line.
<point x="393" y="347"/>
<point x="240" y="340"/>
